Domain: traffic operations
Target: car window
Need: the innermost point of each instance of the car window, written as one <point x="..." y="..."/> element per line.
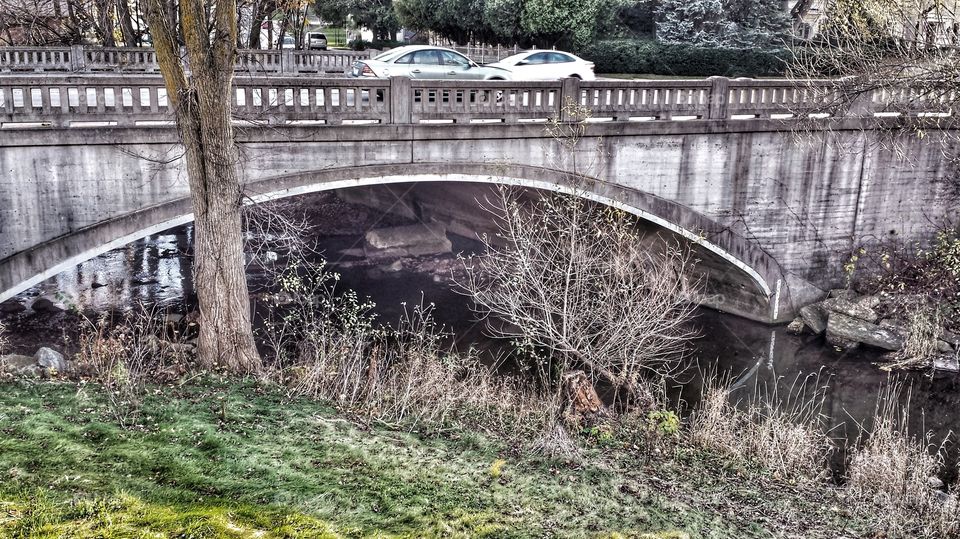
<point x="428" y="57"/>
<point x="394" y="53"/>
<point x="405" y="59"/>
<point x="452" y="58"/>
<point x="559" y="58"/>
<point x="538" y="58"/>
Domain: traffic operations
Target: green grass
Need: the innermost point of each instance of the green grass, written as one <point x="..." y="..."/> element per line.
<point x="237" y="460"/>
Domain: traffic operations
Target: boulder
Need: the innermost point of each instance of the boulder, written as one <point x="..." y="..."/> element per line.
<point x="897" y="326"/>
<point x="841" y="344"/>
<point x="50" y="359"/>
<point x="12" y="306"/>
<point x="814" y="318"/>
<point x="843" y="329"/>
<point x="850" y="308"/>
<point x="45" y="305"/>
<point x="796" y="326"/>
<point x="15" y="362"/>
<point x="868" y="302"/>
<point x="20" y="366"/>
<point x="946" y="363"/>
<point x="843" y="293"/>
<point x="411" y="240"/>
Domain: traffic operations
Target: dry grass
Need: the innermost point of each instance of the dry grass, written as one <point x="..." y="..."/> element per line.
<point x="924" y="328"/>
<point x="126" y="353"/>
<point x="330" y="347"/>
<point x="784" y="435"/>
<point x="4" y="339"/>
<point x="890" y="475"/>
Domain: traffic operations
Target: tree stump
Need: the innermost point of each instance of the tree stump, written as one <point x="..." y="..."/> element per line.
<point x="582" y="406"/>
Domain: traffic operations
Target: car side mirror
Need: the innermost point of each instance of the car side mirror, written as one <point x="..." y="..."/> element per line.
<point x="523" y="63"/>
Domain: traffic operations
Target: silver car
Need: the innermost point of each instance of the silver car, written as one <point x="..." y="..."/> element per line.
<point x="425" y="62"/>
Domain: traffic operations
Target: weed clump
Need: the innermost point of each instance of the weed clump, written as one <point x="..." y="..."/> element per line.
<point x="785" y="436"/>
<point x="895" y="475"/>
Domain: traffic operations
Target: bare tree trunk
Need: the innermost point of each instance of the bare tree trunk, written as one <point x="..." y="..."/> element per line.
<point x="202" y="106"/>
<point x="130" y="38"/>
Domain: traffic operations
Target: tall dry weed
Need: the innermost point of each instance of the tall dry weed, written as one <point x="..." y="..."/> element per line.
<point x="892" y="475"/>
<point x="782" y="433"/>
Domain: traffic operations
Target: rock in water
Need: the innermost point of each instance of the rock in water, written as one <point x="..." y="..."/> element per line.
<point x="44" y="305"/>
<point x="946" y="363"/>
<point x="50" y="359"/>
<point x="796" y="326"/>
<point x="412" y="240"/>
<point x="843" y="329"/>
<point x="12" y="306"/>
<point x="814" y="318"/>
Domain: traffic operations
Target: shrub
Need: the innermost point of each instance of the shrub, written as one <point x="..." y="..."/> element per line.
<point x="651" y="57"/>
<point x="359" y="44"/>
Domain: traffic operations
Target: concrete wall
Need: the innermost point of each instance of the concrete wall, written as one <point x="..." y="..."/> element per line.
<point x="787" y="210"/>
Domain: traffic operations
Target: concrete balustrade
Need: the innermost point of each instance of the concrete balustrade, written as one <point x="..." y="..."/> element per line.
<point x="83" y="59"/>
<point x="58" y="100"/>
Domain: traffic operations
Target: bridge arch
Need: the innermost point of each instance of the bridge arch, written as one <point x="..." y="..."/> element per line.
<point x="27" y="268"/>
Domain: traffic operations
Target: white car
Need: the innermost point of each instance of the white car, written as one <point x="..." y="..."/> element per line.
<point x="425" y="62"/>
<point x="546" y="65"/>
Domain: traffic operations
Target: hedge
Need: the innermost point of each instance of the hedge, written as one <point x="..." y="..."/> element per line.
<point x="651" y="57"/>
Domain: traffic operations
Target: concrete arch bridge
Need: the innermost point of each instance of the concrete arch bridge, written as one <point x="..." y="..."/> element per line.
<point x="90" y="162"/>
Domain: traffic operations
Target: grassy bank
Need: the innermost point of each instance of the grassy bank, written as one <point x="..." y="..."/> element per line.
<point x="233" y="460"/>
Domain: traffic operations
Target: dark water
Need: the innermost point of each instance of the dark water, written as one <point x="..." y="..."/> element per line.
<point x="156" y="270"/>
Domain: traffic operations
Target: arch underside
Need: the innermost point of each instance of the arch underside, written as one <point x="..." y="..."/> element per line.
<point x="762" y="276"/>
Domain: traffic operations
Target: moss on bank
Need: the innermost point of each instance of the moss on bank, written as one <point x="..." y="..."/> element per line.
<point x="233" y="460"/>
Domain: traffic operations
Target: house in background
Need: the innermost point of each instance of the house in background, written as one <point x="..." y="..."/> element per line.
<point x="929" y="23"/>
<point x="807" y="16"/>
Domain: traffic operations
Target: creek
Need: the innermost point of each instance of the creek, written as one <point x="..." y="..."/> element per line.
<point x="755" y="357"/>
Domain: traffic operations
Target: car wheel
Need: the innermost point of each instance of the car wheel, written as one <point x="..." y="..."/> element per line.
<point x="496" y="78"/>
<point x="575" y="76"/>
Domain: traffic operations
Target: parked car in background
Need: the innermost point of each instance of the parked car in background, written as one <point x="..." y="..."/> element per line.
<point x="426" y="62"/>
<point x="288" y="43"/>
<point x="316" y="41"/>
<point x="546" y="65"/>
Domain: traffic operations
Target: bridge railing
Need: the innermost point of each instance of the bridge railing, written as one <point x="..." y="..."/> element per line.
<point x="82" y="59"/>
<point x="78" y="100"/>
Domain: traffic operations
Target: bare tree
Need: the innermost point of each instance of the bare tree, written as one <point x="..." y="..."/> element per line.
<point x="201" y="100"/>
<point x="575" y="279"/>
